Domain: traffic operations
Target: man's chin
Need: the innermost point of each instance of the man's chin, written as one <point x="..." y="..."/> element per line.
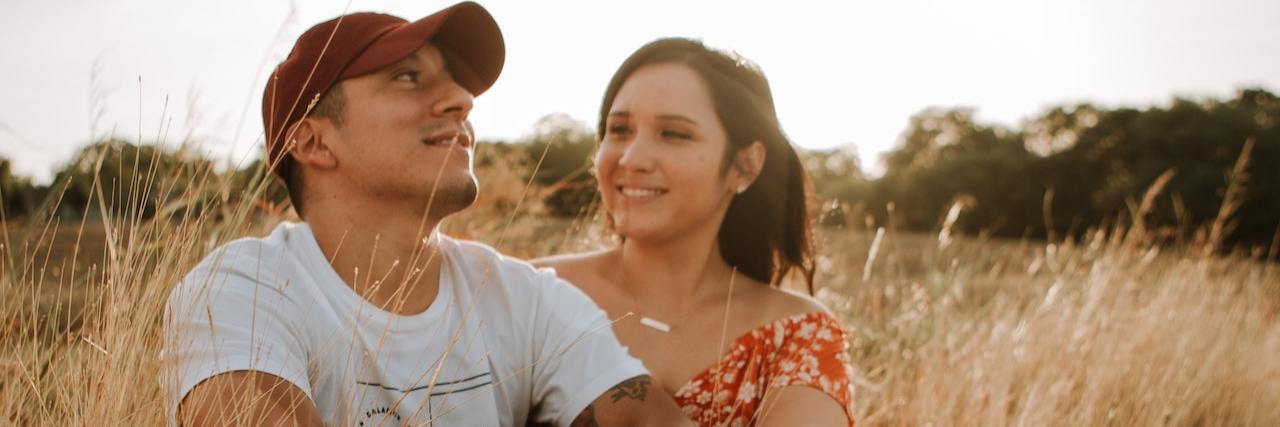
<point x="452" y="197"/>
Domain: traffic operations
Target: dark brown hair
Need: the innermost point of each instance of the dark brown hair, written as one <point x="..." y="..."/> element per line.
<point x="766" y="232"/>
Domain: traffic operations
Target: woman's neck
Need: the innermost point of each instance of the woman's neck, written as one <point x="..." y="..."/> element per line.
<point x="676" y="275"/>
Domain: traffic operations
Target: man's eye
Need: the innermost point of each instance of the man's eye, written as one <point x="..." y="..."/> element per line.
<point x="407" y="76"/>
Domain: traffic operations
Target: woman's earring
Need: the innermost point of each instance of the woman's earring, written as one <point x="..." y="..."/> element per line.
<point x="741" y="188"/>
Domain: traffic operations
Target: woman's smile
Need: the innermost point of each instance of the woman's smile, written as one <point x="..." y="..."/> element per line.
<point x="640" y="194"/>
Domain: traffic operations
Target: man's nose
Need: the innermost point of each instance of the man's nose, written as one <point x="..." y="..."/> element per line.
<point x="456" y="101"/>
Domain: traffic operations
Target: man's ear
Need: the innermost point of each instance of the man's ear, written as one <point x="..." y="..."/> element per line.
<point x="309" y="146"/>
<point x="748" y="163"/>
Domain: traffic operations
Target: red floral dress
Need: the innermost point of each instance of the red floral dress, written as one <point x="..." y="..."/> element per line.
<point x="805" y="350"/>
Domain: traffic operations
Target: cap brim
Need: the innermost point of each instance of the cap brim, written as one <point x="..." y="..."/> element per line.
<point x="466" y="32"/>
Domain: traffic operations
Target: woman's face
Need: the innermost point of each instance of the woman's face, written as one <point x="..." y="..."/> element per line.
<point x="659" y="162"/>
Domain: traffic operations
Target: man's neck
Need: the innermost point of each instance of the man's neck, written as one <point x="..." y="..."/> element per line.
<point x="391" y="260"/>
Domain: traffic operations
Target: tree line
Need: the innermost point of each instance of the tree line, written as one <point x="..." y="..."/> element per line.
<point x="1176" y="168"/>
<point x="1186" y="167"/>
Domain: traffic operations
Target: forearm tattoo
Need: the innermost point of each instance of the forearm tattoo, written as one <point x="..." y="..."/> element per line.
<point x="586" y="418"/>
<point x="634" y="388"/>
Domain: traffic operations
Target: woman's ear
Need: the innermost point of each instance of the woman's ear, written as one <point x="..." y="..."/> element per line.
<point x="748" y="163"/>
<point x="308" y="146"/>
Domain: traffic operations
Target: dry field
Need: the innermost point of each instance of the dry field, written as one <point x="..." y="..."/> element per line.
<point x="1109" y="329"/>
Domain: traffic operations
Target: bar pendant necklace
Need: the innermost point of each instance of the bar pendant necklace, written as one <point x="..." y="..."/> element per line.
<point x="659" y="325"/>
<point x="655" y="324"/>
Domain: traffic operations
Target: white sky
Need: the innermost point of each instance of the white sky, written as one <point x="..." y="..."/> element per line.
<point x="843" y="72"/>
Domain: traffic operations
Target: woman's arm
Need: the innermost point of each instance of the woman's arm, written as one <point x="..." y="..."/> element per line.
<point x="800" y="405"/>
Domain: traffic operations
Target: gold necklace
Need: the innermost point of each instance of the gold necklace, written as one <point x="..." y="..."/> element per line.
<point x="659" y="325"/>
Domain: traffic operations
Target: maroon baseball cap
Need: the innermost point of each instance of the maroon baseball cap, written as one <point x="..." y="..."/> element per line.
<point x="360" y="43"/>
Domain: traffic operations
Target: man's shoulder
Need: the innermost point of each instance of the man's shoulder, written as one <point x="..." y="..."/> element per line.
<point x="586" y="270"/>
<point x="486" y="268"/>
<point x="485" y="258"/>
<point x="244" y="264"/>
<point x="256" y="252"/>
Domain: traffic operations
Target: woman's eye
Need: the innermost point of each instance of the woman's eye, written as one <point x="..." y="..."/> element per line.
<point x="671" y="134"/>
<point x="619" y="129"/>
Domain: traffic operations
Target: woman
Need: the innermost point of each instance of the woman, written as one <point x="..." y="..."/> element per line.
<point x="708" y="197"/>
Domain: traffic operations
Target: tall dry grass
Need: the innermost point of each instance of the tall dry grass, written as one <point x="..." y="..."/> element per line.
<point x="1110" y="329"/>
<point x="1094" y="332"/>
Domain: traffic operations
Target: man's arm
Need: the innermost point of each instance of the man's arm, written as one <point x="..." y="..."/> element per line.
<point x="632" y="403"/>
<point x="234" y="351"/>
<point x="247" y="398"/>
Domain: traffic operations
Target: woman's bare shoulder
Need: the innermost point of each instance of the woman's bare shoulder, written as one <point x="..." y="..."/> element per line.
<point x="575" y="265"/>
<point x="577" y="259"/>
<point x="761" y="305"/>
<point x="779" y="303"/>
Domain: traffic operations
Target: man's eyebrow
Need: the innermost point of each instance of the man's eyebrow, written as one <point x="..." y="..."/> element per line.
<point x="413" y="57"/>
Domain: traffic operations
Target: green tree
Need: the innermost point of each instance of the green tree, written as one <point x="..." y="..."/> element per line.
<point x="565" y="172"/>
<point x="1097" y="163"/>
<point x="839" y="183"/>
<point x="17" y="194"/>
<point x="133" y="180"/>
<point x="1113" y="162"/>
<point x="947" y="157"/>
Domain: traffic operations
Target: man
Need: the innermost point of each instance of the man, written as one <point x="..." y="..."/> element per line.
<point x="364" y="314"/>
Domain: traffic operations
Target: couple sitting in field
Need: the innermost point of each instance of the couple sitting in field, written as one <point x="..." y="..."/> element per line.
<point x="364" y="314"/>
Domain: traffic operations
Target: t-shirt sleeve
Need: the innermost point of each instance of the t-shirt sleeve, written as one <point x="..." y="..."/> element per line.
<point x="227" y="315"/>
<point x="815" y="354"/>
<point x="578" y="356"/>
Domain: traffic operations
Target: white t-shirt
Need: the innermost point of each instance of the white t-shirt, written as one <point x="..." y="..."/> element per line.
<point x="501" y="344"/>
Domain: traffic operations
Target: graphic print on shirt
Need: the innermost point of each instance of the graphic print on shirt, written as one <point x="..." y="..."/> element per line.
<point x="441" y="398"/>
<point x="274" y="304"/>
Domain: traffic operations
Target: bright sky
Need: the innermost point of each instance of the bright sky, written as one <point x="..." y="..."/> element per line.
<point x="843" y="72"/>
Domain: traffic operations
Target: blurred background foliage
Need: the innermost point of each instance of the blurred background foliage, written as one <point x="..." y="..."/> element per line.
<point x="1070" y="169"/>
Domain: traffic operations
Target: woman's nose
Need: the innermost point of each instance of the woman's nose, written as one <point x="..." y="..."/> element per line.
<point x="637" y="155"/>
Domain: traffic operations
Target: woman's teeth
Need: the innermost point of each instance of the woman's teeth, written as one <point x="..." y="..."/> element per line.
<point x="641" y="192"/>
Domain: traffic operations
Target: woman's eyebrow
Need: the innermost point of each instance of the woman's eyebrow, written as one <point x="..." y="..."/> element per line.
<point x="678" y="118"/>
